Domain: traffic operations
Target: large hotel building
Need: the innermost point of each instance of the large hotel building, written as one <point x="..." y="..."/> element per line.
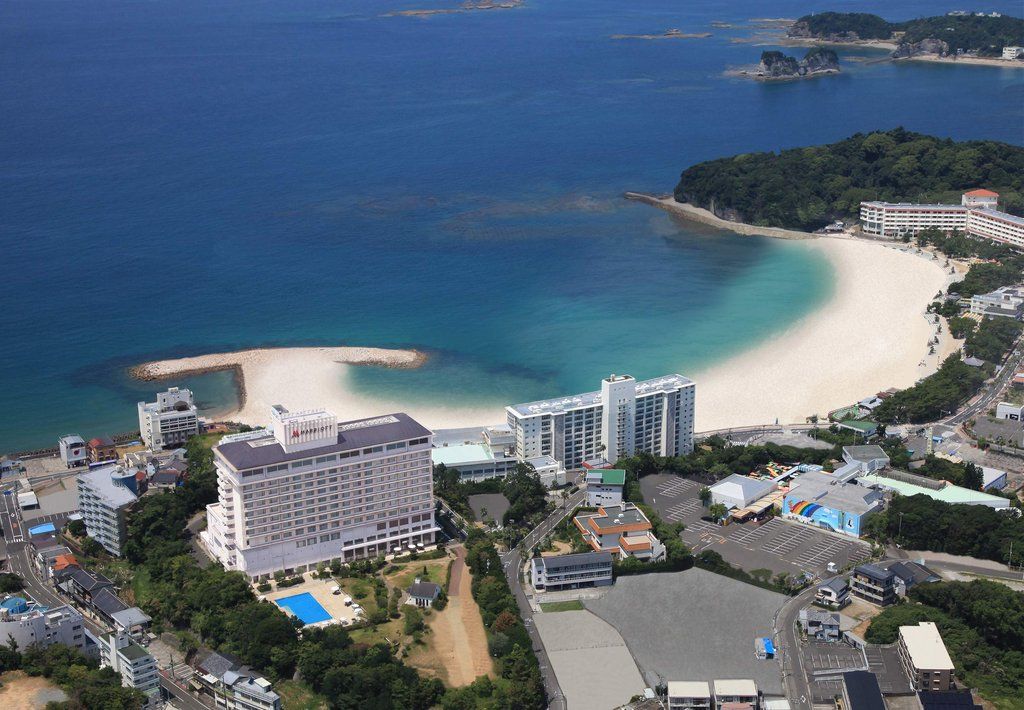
<point x="624" y="417"/>
<point x="311" y="490"/>
<point x="977" y="215"/>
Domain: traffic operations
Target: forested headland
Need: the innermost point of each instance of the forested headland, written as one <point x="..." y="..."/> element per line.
<point x="806" y="188"/>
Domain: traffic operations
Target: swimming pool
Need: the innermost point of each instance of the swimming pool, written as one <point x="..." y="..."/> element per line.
<point x="44" y="528"/>
<point x="304" y="606"/>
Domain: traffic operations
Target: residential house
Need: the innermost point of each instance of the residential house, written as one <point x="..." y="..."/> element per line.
<point x="874" y="584"/>
<point x="80" y="584"/>
<point x="623" y="530"/>
<point x="835" y="593"/>
<point x="689" y="695"/>
<point x="51" y="558"/>
<point x="908" y="575"/>
<point x="101" y="449"/>
<point x="234" y="686"/>
<point x="736" y="694"/>
<point x="821" y="625"/>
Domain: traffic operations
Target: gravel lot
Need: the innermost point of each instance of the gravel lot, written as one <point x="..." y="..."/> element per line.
<point x="593" y="664"/>
<point x="693" y="625"/>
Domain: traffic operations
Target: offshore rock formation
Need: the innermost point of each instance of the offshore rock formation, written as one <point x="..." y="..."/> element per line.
<point x="776" y="65"/>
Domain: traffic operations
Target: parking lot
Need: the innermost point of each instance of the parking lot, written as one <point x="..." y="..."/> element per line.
<point x="779" y="545"/>
<point x="884" y="662"/>
<point x="823" y="663"/>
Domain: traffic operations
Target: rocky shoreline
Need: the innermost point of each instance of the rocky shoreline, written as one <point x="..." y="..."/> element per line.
<point x="699" y="214"/>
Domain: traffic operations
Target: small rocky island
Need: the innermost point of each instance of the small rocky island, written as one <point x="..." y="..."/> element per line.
<point x="817" y="61"/>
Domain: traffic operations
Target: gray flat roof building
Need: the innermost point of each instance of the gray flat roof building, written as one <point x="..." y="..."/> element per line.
<point x="374" y="431"/>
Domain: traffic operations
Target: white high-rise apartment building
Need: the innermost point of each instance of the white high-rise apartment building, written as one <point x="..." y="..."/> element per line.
<point x="170" y="420"/>
<point x="624" y="417"/>
<point x="104" y="496"/>
<point x="977" y="215"/>
<point x="311" y="490"/>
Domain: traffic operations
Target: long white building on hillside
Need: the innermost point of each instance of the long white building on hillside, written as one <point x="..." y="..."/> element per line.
<point x="621" y="419"/>
<point x="311" y="490"/>
<point x="977" y="215"/>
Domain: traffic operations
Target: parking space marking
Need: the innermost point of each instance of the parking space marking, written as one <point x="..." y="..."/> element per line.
<point x="703" y="526"/>
<point x="683" y="510"/>
<point x="677" y="487"/>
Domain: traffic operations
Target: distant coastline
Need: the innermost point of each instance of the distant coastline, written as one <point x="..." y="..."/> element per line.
<point x="667" y="34"/>
<point x="892" y="46"/>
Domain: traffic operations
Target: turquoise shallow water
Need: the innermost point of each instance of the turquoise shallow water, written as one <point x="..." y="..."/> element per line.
<point x="185" y="177"/>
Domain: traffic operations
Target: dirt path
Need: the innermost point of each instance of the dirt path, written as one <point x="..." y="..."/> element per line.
<point x="23" y="692"/>
<point x="458" y="645"/>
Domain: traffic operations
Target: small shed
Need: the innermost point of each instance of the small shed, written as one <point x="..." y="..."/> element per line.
<point x="424" y="594"/>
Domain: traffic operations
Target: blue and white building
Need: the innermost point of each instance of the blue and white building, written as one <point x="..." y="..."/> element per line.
<point x="825" y="501"/>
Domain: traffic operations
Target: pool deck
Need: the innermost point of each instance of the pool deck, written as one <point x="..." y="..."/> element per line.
<point x="319" y="589"/>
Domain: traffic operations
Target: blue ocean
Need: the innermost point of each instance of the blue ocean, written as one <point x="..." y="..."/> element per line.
<point x="181" y="177"/>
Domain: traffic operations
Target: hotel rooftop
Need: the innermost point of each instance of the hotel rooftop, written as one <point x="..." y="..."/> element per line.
<point x="592" y="399"/>
<point x="261" y="448"/>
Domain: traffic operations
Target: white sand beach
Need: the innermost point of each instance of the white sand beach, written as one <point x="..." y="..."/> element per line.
<point x="871" y="335"/>
<point x="309" y="378"/>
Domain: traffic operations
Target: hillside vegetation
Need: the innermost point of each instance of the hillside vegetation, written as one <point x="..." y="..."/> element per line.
<point x="806" y="188"/>
<point x="984" y="35"/>
<point x="980" y="622"/>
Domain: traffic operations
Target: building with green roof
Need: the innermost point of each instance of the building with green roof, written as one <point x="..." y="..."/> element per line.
<point x="936" y="490"/>
<point x="604" y="486"/>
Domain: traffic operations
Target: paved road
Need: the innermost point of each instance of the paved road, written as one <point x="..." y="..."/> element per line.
<point x="512" y="563"/>
<point x="182" y="697"/>
<point x="990" y="393"/>
<point x="19" y="562"/>
<point x="965" y="567"/>
<point x="794" y="675"/>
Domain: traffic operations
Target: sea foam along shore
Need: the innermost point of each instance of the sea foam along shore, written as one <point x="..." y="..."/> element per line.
<point x="872" y="334"/>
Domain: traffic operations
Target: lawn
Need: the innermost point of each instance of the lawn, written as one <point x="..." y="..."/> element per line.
<point x="436" y="571"/>
<point x="296" y="695"/>
<point x="381" y="633"/>
<point x="361" y="591"/>
<point x="571" y="605"/>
